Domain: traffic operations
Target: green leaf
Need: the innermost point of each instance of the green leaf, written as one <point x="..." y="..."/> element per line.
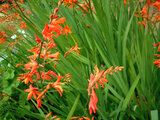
<point x="125" y="40"/>
<point x="80" y="58"/>
<point x="130" y="93"/>
<point x="154" y="115"/>
<point x="9" y="74"/>
<point x="39" y="109"/>
<point x="73" y="108"/>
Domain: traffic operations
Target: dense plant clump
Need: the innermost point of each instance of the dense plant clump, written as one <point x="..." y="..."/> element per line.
<point x="75" y="59"/>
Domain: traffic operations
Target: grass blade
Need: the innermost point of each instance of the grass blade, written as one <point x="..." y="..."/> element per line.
<point x="129" y="94"/>
<point x="73" y="108"/>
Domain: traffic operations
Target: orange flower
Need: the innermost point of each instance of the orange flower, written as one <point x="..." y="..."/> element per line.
<point x="47" y="32"/>
<point x="39" y="103"/>
<point x="94" y="79"/>
<point x="47" y="77"/>
<point x="85" y="7"/>
<point x="23" y="25"/>
<point x="157" y="61"/>
<point x="48" y="114"/>
<point x="37" y="39"/>
<point x="31" y="65"/>
<point x="157" y="4"/>
<point x="98" y="77"/>
<point x="53" y="85"/>
<point x="38" y="76"/>
<point x="144" y="10"/>
<point x="51" y="44"/>
<point x="2" y="37"/>
<point x="125" y="2"/>
<point x="3" y="34"/>
<point x="44" y="91"/>
<point x="152" y="16"/>
<point x="27" y="77"/>
<point x="21" y="1"/>
<point x="55" y="64"/>
<point x="109" y="71"/>
<point x="103" y="79"/>
<point x="158" y="55"/>
<point x="5" y="5"/>
<point x="19" y="64"/>
<point x="48" y="55"/>
<point x="55" y="117"/>
<point x="74" y="118"/>
<point x="2" y="40"/>
<point x="93" y="102"/>
<point x="67" y="77"/>
<point x="34" y="50"/>
<point x="51" y="73"/>
<point x="57" y="86"/>
<point x="55" y="10"/>
<point x="29" y="12"/>
<point x="157" y="45"/>
<point x="55" y="25"/>
<point x="67" y="30"/>
<point x="70" y="2"/>
<point x="88" y="26"/>
<point x="32" y="92"/>
<point x="76" y="49"/>
<point x="118" y="68"/>
<point x="149" y="1"/>
<point x="79" y="118"/>
<point x="86" y="118"/>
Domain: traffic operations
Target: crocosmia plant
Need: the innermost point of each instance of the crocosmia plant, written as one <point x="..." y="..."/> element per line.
<point x="79" y="59"/>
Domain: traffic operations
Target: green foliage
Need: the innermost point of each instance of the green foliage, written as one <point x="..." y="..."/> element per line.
<point x="114" y="38"/>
